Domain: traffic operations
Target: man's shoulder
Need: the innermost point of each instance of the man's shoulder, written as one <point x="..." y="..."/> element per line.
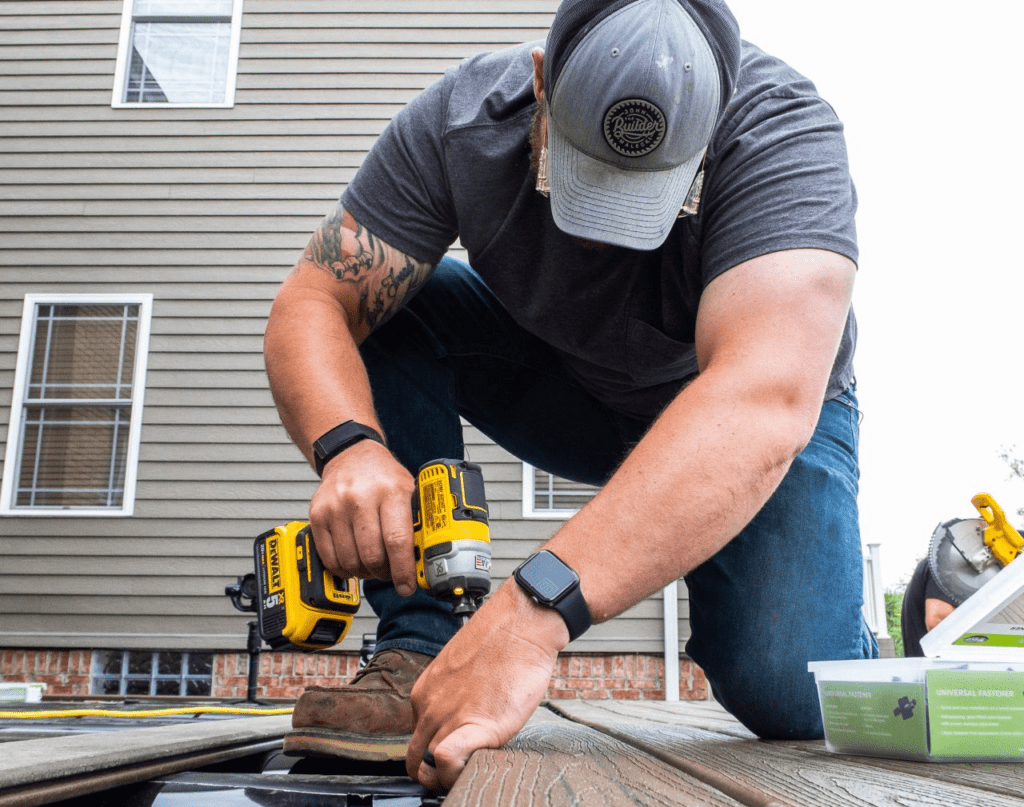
<point x="761" y="71"/>
<point x="491" y="88"/>
<point x="765" y="84"/>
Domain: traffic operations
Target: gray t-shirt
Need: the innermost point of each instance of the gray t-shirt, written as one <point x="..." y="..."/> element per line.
<point x="455" y="163"/>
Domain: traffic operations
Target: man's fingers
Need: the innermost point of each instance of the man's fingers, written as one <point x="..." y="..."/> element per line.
<point x="323" y="540"/>
<point x="451" y="755"/>
<point x="396" y="529"/>
<point x="369" y="543"/>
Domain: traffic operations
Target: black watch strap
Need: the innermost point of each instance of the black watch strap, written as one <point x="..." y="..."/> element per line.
<point x="536" y="577"/>
<point x="339" y="438"/>
<point x="573" y="609"/>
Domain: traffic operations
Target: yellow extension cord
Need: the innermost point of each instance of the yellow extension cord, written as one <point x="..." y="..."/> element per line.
<point x="191" y="710"/>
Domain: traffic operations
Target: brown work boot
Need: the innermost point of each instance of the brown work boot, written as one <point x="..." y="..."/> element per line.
<point x="369" y="718"/>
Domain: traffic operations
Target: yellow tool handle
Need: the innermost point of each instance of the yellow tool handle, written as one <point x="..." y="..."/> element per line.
<point x="1000" y="537"/>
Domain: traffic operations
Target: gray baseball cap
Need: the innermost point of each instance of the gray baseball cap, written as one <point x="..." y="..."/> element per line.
<point x="634" y="89"/>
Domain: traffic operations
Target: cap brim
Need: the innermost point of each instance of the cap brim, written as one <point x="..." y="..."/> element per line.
<point x="599" y="202"/>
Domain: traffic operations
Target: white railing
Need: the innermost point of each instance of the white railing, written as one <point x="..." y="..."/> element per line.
<point x="874" y="594"/>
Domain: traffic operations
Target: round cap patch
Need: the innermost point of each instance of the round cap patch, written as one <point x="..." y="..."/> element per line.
<point x="634" y="127"/>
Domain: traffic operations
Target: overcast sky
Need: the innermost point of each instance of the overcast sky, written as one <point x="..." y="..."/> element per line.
<point x="930" y="94"/>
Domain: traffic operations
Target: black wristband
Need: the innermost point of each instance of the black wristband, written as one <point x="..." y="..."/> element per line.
<point x="339" y="438"/>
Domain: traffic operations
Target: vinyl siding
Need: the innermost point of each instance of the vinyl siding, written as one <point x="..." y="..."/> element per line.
<point x="207" y="209"/>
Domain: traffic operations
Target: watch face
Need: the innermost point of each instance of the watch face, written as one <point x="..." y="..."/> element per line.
<point x="548" y="576"/>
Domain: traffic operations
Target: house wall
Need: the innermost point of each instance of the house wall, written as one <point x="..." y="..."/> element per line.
<point x="207" y="209"/>
<point x="616" y="676"/>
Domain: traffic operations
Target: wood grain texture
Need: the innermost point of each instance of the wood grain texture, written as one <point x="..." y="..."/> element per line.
<point x="1012" y="614"/>
<point x="786" y="773"/>
<point x="984" y="777"/>
<point x="706" y="715"/>
<point x="555" y="763"/>
<point x="35" y="761"/>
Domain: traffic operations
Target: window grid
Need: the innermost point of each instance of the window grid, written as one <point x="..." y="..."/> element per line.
<point x="156" y="672"/>
<point x="46" y="319"/>
<point x="548" y="496"/>
<point x="112" y="493"/>
<point x="550" y="493"/>
<point x="76" y="413"/>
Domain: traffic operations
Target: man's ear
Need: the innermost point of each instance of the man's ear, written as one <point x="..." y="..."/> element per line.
<point x="538" y="74"/>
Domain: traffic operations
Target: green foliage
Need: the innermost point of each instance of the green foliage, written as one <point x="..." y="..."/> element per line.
<point x="893" y="607"/>
<point x="1009" y="456"/>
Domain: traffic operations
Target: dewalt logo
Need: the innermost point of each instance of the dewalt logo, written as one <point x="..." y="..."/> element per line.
<point x="274" y="564"/>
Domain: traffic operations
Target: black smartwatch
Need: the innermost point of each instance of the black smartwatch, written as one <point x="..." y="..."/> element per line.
<point x="338" y="439"/>
<point x="548" y="581"/>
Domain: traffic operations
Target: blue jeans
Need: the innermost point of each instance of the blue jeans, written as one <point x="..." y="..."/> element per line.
<point x="787" y="590"/>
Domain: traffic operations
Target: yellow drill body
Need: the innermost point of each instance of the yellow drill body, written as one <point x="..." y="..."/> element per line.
<point x="302" y="606"/>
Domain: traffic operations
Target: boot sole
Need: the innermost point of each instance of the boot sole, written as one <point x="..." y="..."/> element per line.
<point x="315" y="742"/>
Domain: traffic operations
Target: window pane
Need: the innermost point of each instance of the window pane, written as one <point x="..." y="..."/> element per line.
<point x="195" y="686"/>
<point x="84" y="351"/>
<point x="564" y="501"/>
<point x="200" y="664"/>
<point x="137" y="687"/>
<point x="552" y="492"/>
<point x="168" y="687"/>
<point x="108" y="686"/>
<point x="182" y="8"/>
<point x="179" y="62"/>
<point x="107" y="662"/>
<point x="169" y="664"/>
<point x="142" y="86"/>
<point x="140" y="663"/>
<point x="73" y="456"/>
<point x="76" y="418"/>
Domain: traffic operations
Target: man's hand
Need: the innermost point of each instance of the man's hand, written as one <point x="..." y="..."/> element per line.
<point x="484" y="685"/>
<point x="361" y="516"/>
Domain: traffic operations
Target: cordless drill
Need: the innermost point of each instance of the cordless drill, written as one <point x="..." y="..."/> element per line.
<point x="302" y="606"/>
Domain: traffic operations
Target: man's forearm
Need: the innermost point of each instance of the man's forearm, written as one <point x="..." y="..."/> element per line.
<point x="316" y="374"/>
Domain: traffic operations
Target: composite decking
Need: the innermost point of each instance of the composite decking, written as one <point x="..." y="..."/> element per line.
<point x="577" y="752"/>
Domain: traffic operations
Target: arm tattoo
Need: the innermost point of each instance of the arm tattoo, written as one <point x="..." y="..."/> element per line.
<point x="384" y="278"/>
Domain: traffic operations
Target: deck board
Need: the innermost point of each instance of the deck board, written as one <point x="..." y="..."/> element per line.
<point x="791" y="773"/>
<point x="571" y="754"/>
<point x="990" y="777"/>
<point x="556" y="763"/>
<point x="43" y="770"/>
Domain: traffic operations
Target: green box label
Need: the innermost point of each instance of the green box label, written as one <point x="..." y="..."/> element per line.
<point x="876" y="718"/>
<point x="976" y="713"/>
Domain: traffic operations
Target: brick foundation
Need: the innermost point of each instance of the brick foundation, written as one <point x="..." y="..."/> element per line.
<point x="622" y="676"/>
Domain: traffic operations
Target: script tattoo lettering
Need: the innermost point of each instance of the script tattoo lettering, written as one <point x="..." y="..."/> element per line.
<point x="385" y="278"/>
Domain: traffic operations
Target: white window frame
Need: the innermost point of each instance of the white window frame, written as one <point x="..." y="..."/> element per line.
<point x="21" y="379"/>
<point x="124" y="60"/>
<point x="530" y="496"/>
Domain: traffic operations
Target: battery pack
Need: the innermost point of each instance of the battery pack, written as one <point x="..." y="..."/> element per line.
<point x="301" y="606"/>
